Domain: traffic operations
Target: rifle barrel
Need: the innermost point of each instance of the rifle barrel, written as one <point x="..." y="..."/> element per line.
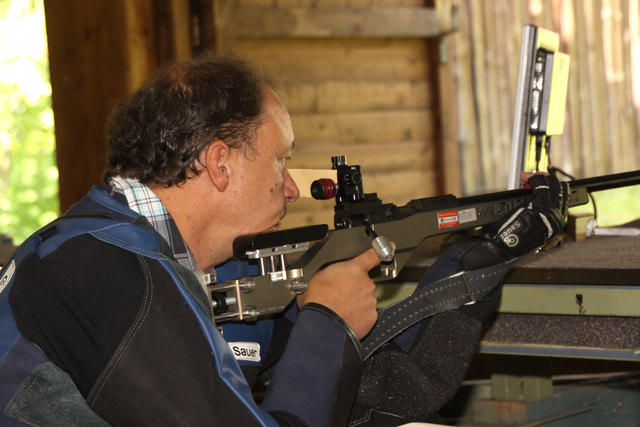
<point x="607" y="182"/>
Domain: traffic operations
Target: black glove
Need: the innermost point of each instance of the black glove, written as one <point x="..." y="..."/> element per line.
<point x="525" y="229"/>
<point x="531" y="226"/>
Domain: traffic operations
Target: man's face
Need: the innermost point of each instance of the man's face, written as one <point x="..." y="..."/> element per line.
<point x="263" y="184"/>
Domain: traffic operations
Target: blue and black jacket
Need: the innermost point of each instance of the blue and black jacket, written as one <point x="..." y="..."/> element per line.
<point x="100" y="325"/>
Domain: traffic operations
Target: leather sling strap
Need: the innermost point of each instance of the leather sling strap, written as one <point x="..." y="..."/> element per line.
<point x="446" y="294"/>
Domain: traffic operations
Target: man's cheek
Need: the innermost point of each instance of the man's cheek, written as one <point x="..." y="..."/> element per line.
<point x="278" y="184"/>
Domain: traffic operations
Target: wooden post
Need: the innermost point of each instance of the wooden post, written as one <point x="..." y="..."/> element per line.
<point x="448" y="162"/>
<point x="99" y="52"/>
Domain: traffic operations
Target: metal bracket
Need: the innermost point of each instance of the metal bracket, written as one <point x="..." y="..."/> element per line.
<point x="251" y="297"/>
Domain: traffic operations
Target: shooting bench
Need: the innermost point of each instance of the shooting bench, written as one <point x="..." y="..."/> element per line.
<point x="571" y="307"/>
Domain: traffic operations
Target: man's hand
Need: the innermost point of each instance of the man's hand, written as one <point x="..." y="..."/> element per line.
<point x="345" y="288"/>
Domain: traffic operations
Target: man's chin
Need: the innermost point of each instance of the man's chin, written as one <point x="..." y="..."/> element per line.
<point x="276" y="227"/>
<point x="279" y="223"/>
<point x="271" y="229"/>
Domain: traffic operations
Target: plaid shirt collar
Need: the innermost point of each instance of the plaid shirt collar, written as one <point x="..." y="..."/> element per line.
<point x="141" y="199"/>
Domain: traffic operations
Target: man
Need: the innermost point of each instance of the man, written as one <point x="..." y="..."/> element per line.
<point x="107" y="323"/>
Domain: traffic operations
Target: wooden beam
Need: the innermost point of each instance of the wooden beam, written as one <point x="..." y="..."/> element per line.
<point x="99" y="52"/>
<point x="334" y="22"/>
<point x="181" y="30"/>
<point x="332" y="96"/>
<point x="330" y="59"/>
<point x="448" y="162"/>
<point x="89" y="63"/>
<point x="379" y="158"/>
<point x="366" y="127"/>
<point x="220" y="37"/>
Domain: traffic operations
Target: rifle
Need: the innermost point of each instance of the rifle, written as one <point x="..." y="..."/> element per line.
<point x="362" y="220"/>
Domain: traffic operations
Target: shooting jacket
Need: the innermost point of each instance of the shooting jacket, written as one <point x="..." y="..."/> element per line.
<point x="99" y="324"/>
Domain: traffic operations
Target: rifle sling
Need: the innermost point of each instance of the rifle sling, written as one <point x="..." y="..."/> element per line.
<point x="445" y="294"/>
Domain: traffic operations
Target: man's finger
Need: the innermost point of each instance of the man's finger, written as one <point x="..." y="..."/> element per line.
<point x="368" y="259"/>
<point x="524" y="177"/>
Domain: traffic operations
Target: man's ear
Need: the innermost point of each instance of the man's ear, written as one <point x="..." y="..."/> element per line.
<point x="217" y="162"/>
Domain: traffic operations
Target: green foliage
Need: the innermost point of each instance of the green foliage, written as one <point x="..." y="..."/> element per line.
<point x="28" y="171"/>
<point x="614" y="207"/>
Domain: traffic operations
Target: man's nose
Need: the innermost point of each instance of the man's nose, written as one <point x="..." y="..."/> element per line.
<point x="291" y="191"/>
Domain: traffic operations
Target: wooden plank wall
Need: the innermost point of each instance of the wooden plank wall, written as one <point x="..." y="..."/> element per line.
<point x="358" y="79"/>
<point x="601" y="129"/>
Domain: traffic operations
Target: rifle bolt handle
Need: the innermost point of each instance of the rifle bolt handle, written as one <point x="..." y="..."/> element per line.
<point x="383" y="248"/>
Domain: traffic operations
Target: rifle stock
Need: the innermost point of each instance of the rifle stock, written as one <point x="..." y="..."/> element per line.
<point x="407" y="226"/>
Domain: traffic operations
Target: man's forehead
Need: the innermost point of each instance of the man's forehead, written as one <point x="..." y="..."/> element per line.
<point x="277" y="112"/>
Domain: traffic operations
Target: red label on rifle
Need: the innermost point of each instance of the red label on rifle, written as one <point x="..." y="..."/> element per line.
<point x="448" y="219"/>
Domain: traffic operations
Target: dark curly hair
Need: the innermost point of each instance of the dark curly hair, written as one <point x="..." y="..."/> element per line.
<point x="158" y="134"/>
